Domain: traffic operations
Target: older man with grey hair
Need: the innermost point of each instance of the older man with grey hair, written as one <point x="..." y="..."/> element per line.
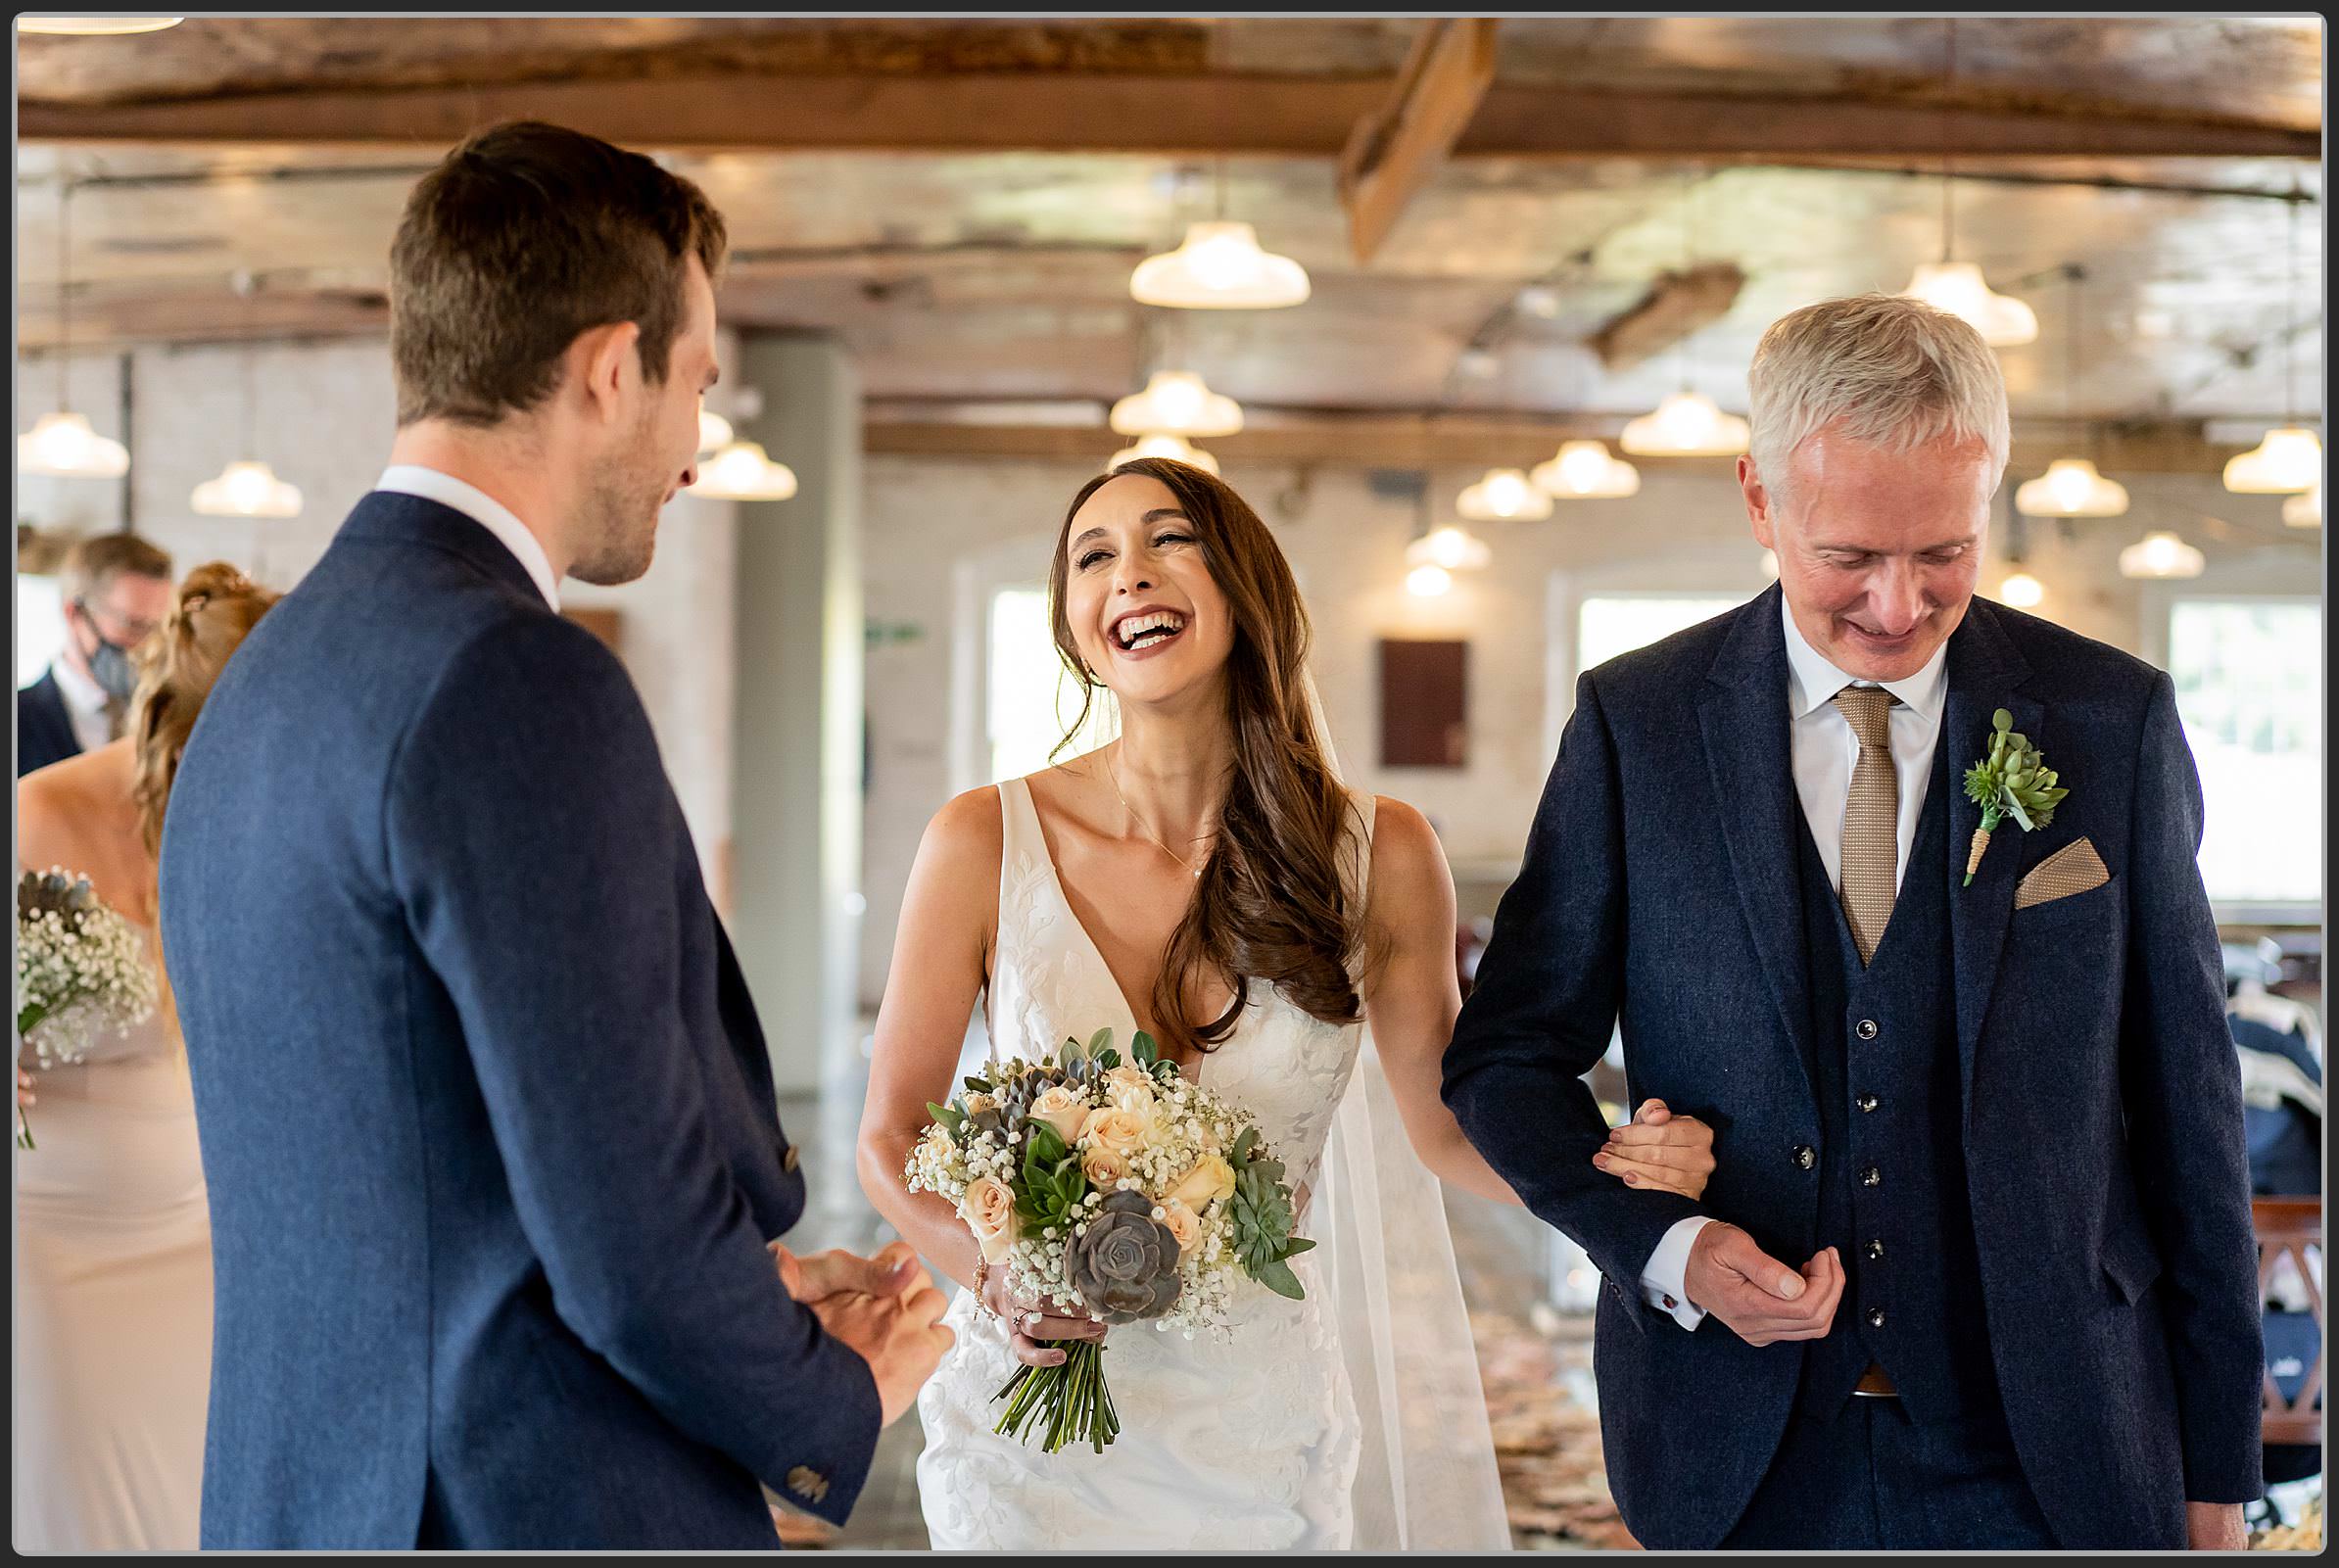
<point x="1976" y="1269"/>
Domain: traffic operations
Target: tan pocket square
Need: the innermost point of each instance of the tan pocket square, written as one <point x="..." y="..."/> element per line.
<point x="2074" y="868"/>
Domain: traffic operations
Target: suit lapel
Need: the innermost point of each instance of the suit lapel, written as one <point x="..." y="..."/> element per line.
<point x="1742" y="715"/>
<point x="1984" y="671"/>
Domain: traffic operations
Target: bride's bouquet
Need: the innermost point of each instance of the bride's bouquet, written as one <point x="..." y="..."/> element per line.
<point x="1114" y="1188"/>
<point x="79" y="967"/>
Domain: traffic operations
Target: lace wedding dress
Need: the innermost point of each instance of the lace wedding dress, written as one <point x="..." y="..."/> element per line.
<point x="114" y="1300"/>
<point x="1253" y="1444"/>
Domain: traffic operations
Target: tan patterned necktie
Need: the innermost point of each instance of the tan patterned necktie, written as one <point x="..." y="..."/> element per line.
<point x="1871" y="818"/>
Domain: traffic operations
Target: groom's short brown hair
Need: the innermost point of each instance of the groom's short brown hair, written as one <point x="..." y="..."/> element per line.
<point x="525" y="236"/>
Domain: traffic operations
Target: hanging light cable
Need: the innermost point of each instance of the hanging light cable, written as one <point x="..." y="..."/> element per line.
<point x="2071" y="486"/>
<point x="2289" y="461"/>
<point x="60" y="444"/>
<point x="246" y="487"/>
<point x="1955" y="286"/>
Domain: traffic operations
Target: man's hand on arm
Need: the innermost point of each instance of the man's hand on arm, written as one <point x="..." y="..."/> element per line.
<point x="884" y="1309"/>
<point x="893" y="1271"/>
<point x="1759" y="1298"/>
<point x="2215" y="1526"/>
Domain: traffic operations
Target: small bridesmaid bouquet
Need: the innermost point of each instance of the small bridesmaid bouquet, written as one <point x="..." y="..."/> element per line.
<point x="80" y="967"/>
<point x="1112" y="1188"/>
<point x="2012" y="780"/>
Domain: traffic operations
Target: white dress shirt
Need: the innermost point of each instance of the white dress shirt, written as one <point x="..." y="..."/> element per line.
<point x="413" y="479"/>
<point x="1822" y="750"/>
<point x="85" y="706"/>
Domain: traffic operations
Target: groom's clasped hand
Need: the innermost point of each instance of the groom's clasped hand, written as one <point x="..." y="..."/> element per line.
<point x="886" y="1308"/>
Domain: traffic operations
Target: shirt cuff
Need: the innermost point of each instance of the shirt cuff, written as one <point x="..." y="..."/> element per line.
<point x="1665" y="1277"/>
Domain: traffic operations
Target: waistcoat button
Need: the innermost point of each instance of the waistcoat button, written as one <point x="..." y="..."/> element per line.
<point x="1866" y="1028"/>
<point x="1871" y="1177"/>
<point x="1804" y="1157"/>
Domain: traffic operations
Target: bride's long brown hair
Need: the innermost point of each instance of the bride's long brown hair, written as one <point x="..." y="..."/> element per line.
<point x="1271" y="903"/>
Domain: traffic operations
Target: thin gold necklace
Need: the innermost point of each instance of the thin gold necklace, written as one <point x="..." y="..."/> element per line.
<point x="1112" y="777"/>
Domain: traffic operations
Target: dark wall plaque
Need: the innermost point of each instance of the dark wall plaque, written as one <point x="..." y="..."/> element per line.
<point x="1426" y="716"/>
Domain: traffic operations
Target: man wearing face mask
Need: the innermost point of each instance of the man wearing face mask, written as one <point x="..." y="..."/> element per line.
<point x="117" y="590"/>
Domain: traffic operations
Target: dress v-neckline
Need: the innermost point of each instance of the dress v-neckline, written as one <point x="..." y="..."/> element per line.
<point x="1047" y="857"/>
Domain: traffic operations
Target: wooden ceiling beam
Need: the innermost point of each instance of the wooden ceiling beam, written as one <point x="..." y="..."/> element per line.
<point x="1395" y="151"/>
<point x="1197" y="115"/>
<point x="1468" y="441"/>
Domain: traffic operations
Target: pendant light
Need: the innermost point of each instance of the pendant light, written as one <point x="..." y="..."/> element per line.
<point x="1219" y="266"/>
<point x="1177" y="402"/>
<point x="2289" y="461"/>
<point x="60" y="444"/>
<point x="1958" y="287"/>
<point x="246" y="487"/>
<point x="742" y="471"/>
<point x="1584" y="470"/>
<point x="1686" y="423"/>
<point x="1451" y="549"/>
<point x="2304" y="509"/>
<point x="2161" y="555"/>
<point x="2022" y="591"/>
<point x="1503" y="496"/>
<point x="95" y="26"/>
<point x="1162" y="444"/>
<point x="2071" y="486"/>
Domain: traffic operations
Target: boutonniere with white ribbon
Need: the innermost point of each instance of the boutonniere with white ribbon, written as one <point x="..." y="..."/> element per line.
<point x="2012" y="780"/>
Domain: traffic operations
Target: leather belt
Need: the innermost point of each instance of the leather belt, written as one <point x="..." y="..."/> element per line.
<point x="1876" y="1384"/>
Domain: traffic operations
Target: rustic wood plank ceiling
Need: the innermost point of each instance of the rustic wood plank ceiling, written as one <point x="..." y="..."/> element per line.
<point x="963" y="200"/>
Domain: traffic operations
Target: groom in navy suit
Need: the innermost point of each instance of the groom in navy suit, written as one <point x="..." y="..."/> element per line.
<point x="495" y="1172"/>
<point x="1976" y="1267"/>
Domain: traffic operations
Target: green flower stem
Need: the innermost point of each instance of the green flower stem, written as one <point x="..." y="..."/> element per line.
<point x="1069" y="1403"/>
<point x="27" y="1019"/>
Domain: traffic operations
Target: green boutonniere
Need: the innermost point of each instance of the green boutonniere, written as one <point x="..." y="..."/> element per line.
<point x="2012" y="780"/>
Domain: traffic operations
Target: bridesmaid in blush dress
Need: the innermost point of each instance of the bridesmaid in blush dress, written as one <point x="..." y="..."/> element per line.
<point x="113" y="1250"/>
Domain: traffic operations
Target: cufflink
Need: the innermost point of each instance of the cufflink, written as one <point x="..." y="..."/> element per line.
<point x="808" y="1483"/>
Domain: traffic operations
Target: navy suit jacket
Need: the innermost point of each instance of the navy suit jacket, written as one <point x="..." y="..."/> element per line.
<point x="484" y="1108"/>
<point x="2102" y="1103"/>
<point x="44" y="727"/>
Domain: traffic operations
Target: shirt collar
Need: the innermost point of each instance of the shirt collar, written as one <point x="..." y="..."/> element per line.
<point x="413" y="479"/>
<point x="1812" y="680"/>
<point x="82" y="694"/>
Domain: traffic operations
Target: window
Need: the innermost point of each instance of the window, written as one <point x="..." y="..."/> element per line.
<point x="40" y="626"/>
<point x="2249" y="691"/>
<point x="1618" y="623"/>
<point x="1032" y="699"/>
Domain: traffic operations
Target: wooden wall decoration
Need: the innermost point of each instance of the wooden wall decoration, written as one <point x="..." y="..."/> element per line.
<point x="1425" y="715"/>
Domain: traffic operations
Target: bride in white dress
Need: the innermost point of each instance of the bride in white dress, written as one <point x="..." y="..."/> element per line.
<point x="113" y="1237"/>
<point x="1207" y="878"/>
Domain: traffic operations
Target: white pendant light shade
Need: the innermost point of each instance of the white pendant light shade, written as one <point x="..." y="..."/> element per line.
<point x="714" y="431"/>
<point x="1584" y="471"/>
<point x="95" y="26"/>
<point x="1428" y="582"/>
<point x="2022" y="591"/>
<point x="2071" y="488"/>
<point x="2304" y="509"/>
<point x="1177" y="402"/>
<point x="2161" y="555"/>
<point x="1503" y="496"/>
<point x="62" y="446"/>
<point x="741" y="472"/>
<point x="1687" y="424"/>
<point x="246" y="489"/>
<point x="1219" y="267"/>
<point x="1958" y="288"/>
<point x="1161" y="444"/>
<point x="2288" y="460"/>
<point x="1455" y="550"/>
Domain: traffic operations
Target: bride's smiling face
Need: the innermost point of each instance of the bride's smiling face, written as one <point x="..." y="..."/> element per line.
<point x="1146" y="614"/>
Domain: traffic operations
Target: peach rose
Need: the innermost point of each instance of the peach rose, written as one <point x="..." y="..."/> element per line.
<point x="1129" y="1088"/>
<point x="1183" y="1223"/>
<point x="1212" y="1178"/>
<point x="1104" y="1169"/>
<point x="1122" y="1132"/>
<point x="1063" y="1108"/>
<point x="988" y="1208"/>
